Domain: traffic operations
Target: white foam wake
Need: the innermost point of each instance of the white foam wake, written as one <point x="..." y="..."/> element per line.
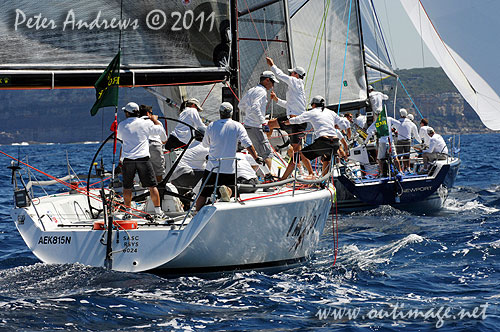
<point x="379" y="255"/>
<point x="452" y="204"/>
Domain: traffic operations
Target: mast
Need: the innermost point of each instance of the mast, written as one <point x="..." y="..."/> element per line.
<point x="227" y="95"/>
<point x="369" y="117"/>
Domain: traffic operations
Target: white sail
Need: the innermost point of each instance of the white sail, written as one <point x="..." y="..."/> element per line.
<point x="459" y="35"/>
<point x="320" y="29"/>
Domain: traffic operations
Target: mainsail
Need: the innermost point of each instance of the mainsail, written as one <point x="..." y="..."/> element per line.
<point x="48" y="44"/>
<point x="262" y="31"/>
<point x="458" y="33"/>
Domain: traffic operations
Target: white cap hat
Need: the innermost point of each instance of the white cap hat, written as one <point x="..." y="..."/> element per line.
<point x="196" y="102"/>
<point x="370" y="87"/>
<point x="318" y="100"/>
<point x="269" y="74"/>
<point x="299" y="70"/>
<point x="403" y="113"/>
<point x="411" y="117"/>
<point x="131" y="108"/>
<point x="226" y="109"/>
<point x="430" y="130"/>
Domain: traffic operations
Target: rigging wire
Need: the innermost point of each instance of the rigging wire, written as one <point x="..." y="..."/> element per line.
<point x="390" y="35"/>
<point x="410" y="98"/>
<point x="345" y="55"/>
<point x="322" y="28"/>
<point x="255" y="27"/>
<point x="376" y="36"/>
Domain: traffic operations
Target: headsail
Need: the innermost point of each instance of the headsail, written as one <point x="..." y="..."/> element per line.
<point x="320" y="29"/>
<point x="68" y="44"/>
<point x="458" y="33"/>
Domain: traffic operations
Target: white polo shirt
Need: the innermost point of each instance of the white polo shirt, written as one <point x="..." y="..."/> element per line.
<point x="222" y="138"/>
<point x="134" y="133"/>
<point x="323" y="121"/>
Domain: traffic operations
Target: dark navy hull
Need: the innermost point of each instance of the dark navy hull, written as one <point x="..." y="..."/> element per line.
<point x="430" y="192"/>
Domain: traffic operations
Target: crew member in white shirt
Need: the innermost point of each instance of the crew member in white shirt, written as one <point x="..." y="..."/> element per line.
<point x="437" y="149"/>
<point x="385" y="147"/>
<point x="295" y="104"/>
<point x="134" y="133"/>
<point x="376" y="99"/>
<point x="190" y="168"/>
<point x="326" y="141"/>
<point x="407" y="131"/>
<point x="424" y="127"/>
<point x="246" y="171"/>
<point x="360" y="120"/>
<point x="155" y="145"/>
<point x="222" y="138"/>
<point x="181" y="134"/>
<point x="254" y="104"/>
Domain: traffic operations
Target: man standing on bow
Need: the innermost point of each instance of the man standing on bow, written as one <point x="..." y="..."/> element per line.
<point x="134" y="133"/>
<point x="295" y="104"/>
<point x="254" y="104"/>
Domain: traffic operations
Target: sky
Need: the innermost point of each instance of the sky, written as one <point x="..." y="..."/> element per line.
<point x="407" y="49"/>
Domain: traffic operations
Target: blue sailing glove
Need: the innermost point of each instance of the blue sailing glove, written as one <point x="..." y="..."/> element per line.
<point x="265" y="128"/>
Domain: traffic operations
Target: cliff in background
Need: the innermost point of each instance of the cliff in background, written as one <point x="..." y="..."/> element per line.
<point x="63" y="116"/>
<point x="436" y="98"/>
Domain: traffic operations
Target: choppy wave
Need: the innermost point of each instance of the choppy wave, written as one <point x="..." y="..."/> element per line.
<point x="385" y="257"/>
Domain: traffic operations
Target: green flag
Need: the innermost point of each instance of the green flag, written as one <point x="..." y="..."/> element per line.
<point x="107" y="86"/>
<point x="381" y="124"/>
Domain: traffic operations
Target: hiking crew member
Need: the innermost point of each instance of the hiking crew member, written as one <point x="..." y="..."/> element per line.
<point x="437" y="149"/>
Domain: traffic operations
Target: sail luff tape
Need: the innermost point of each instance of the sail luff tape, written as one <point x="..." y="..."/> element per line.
<point x="53" y="80"/>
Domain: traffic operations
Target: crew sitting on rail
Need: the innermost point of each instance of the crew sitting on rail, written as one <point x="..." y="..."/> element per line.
<point x="437" y="149"/>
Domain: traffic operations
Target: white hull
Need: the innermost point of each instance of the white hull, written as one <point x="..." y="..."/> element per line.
<point x="224" y="236"/>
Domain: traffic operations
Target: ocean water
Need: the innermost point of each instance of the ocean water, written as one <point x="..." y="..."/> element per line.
<point x="394" y="271"/>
